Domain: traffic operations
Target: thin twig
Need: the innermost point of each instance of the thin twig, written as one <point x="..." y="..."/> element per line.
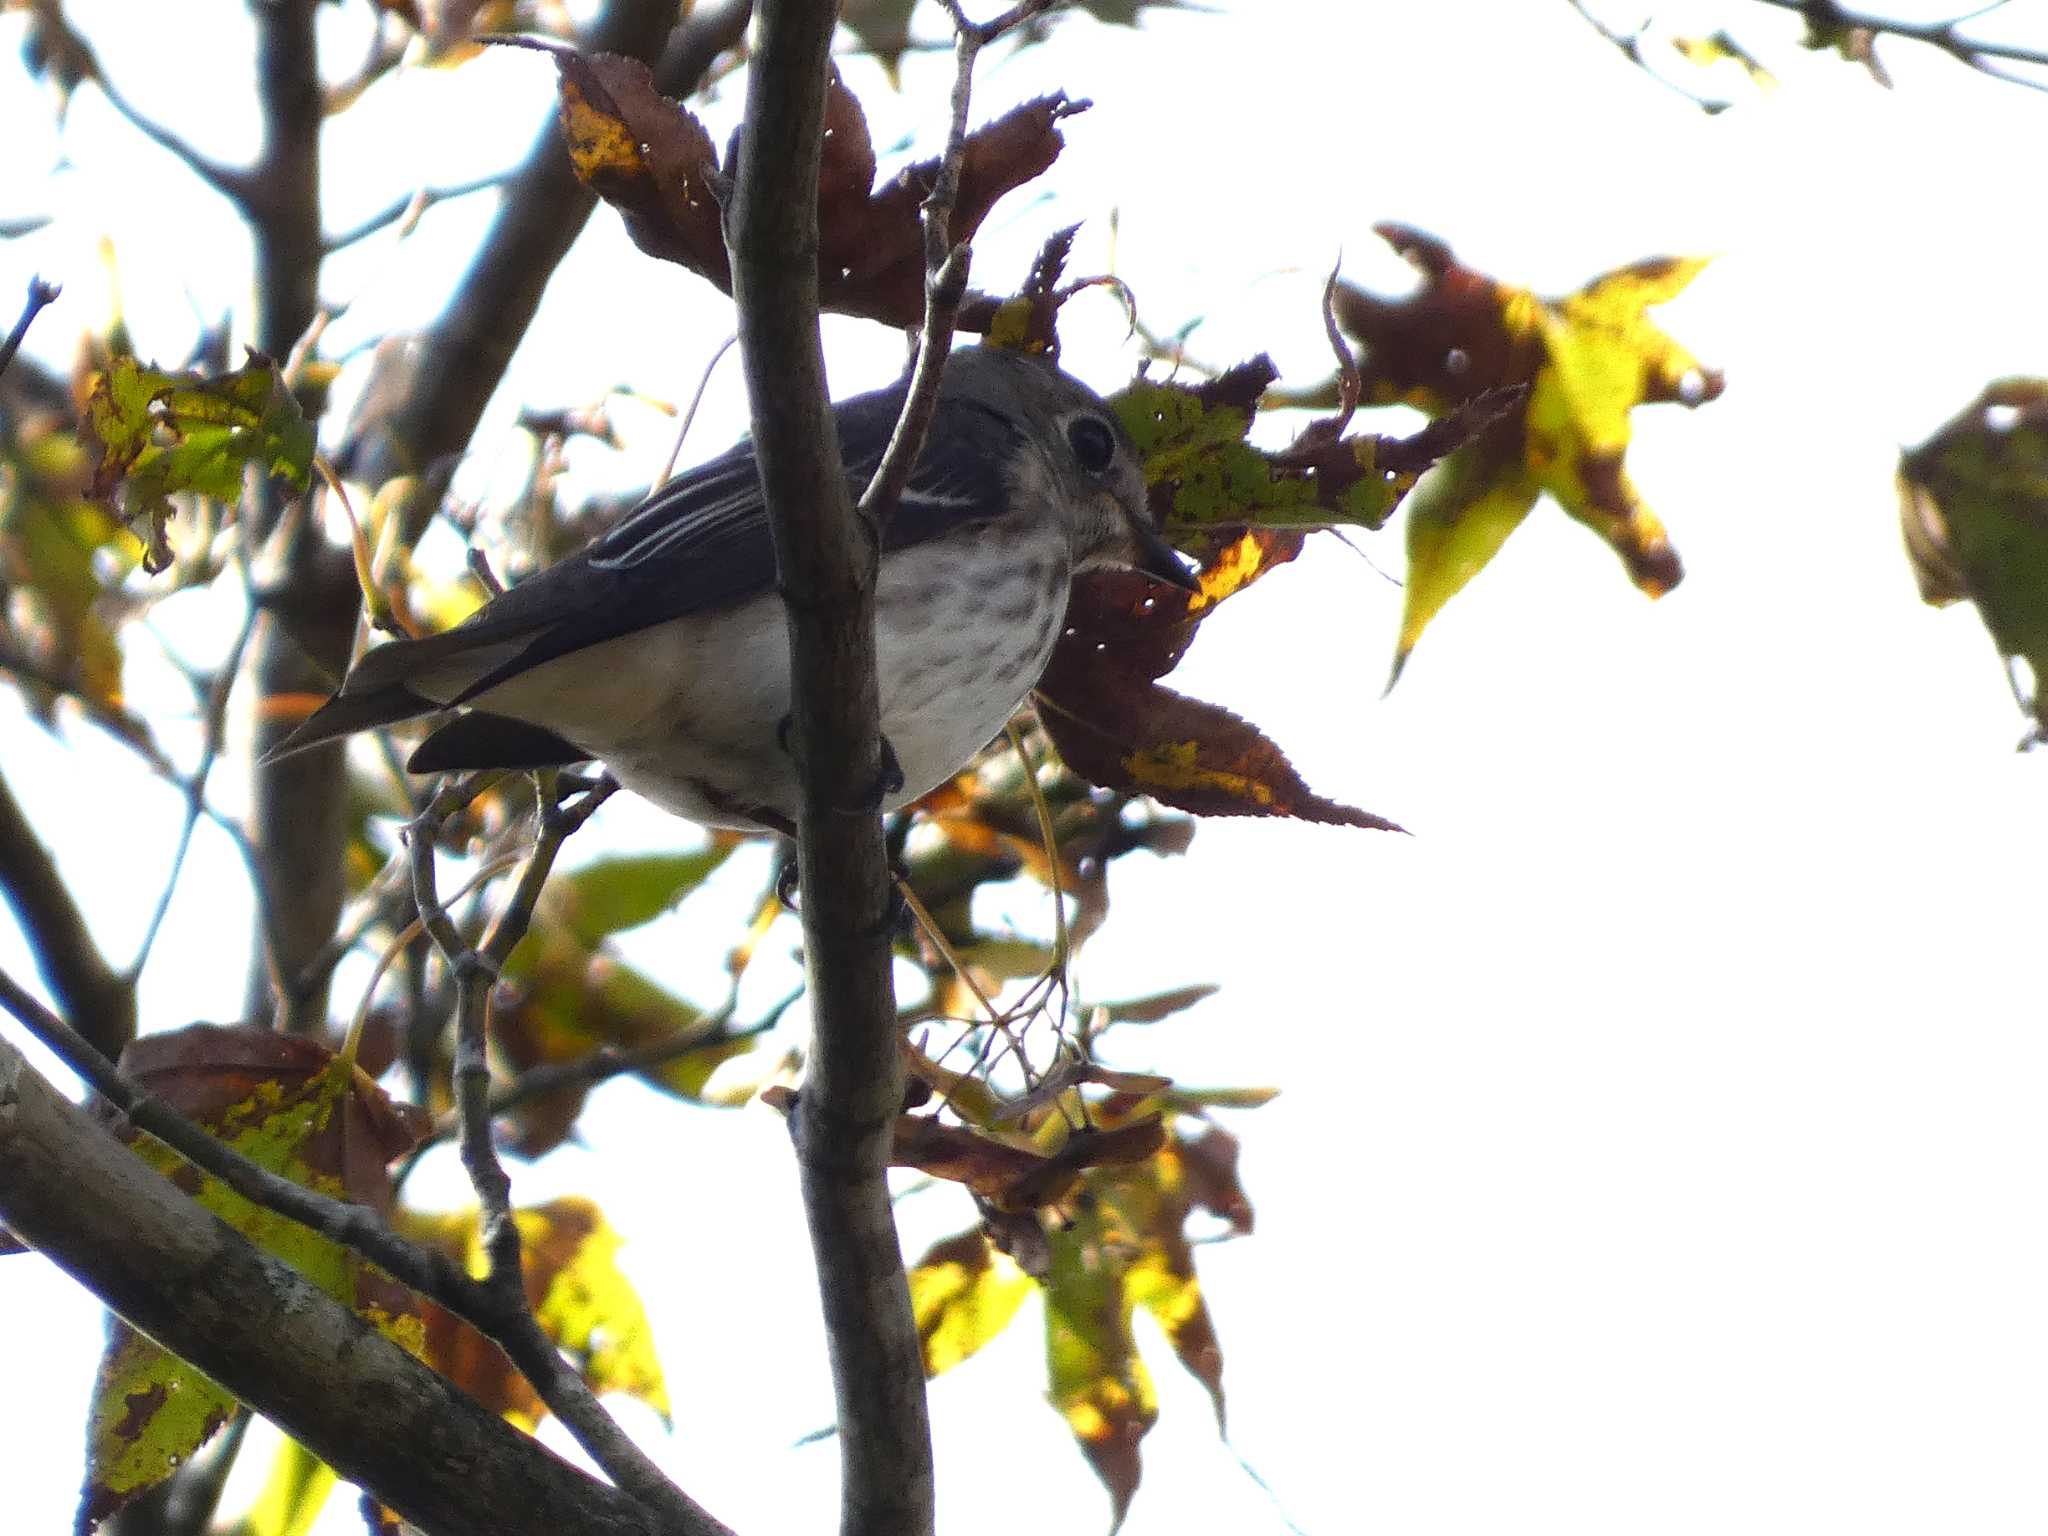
<point x="215" y="699"/>
<point x="1826" y="15"/>
<point x="237" y="186"/>
<point x="945" y="267"/>
<point x="683" y="430"/>
<point x="40" y="296"/>
<point x="475" y="969"/>
<point x="1630" y="46"/>
<point x="406" y="211"/>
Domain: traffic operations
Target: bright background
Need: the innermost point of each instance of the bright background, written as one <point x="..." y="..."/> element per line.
<point x="1661" y="1144"/>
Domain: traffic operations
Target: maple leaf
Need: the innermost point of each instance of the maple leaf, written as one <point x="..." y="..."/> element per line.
<point x="1973" y="502"/>
<point x="1585" y="361"/>
<point x="652" y="160"/>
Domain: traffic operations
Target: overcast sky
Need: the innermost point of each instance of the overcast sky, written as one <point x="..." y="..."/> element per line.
<point x="1661" y="1145"/>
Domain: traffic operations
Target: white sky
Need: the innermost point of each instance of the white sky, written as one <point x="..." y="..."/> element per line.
<point x="1662" y="1144"/>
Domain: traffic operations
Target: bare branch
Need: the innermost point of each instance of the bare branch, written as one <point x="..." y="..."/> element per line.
<point x="71" y="966"/>
<point x="406" y="210"/>
<point x="1825" y="16"/>
<point x="40" y="295"/>
<point x="230" y="182"/>
<point x="476" y="969"/>
<point x="826" y="562"/>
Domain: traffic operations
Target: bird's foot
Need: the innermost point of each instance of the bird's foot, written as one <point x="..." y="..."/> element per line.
<point x="888" y="779"/>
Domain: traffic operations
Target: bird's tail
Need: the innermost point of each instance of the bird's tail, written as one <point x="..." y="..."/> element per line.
<point x="350" y="711"/>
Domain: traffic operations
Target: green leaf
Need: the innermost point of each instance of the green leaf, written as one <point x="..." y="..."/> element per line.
<point x="1974" y="503"/>
<point x="160" y="434"/>
<point x="293" y="1495"/>
<point x="612" y="895"/>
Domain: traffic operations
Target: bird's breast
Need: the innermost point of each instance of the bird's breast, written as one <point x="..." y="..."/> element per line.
<point x="964" y="625"/>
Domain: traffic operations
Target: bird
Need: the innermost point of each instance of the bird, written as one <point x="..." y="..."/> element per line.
<point x="660" y="647"/>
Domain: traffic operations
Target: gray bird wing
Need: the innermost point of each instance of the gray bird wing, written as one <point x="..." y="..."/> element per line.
<point x="703" y="541"/>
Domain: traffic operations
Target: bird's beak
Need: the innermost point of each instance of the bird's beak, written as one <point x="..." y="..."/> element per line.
<point x="1157" y="559"/>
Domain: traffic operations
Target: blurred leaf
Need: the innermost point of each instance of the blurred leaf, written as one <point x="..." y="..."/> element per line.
<point x="1585" y="362"/>
<point x="293" y="1495"/>
<point x="580" y="1297"/>
<point x="1721" y="46"/>
<point x="564" y="995"/>
<point x="963" y="1293"/>
<point x="612" y="895"/>
<point x="296" y="1108"/>
<point x="158" y="434"/>
<point x="1159" y="1005"/>
<point x="1973" y="502"/>
<point x="52" y="50"/>
<point x="63" y="556"/>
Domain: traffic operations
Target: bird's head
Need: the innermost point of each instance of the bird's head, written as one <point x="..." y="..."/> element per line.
<point x="1082" y="466"/>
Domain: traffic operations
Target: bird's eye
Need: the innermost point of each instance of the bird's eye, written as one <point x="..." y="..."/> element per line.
<point x="1093" y="443"/>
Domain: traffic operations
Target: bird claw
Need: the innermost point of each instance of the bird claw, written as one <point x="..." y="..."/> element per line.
<point x="887" y="781"/>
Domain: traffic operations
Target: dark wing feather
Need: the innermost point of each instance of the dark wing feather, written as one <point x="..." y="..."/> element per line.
<point x="699" y="542"/>
<point x="703" y="540"/>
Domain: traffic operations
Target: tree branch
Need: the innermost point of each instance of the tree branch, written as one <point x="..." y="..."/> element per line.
<point x="853" y="1080"/>
<point x="476" y="970"/>
<point x="40" y="295"/>
<point x="78" y="976"/>
<point x="1826" y="16"/>
<point x="510" y="1325"/>
<point x="196" y="1286"/>
<point x="457" y="363"/>
<point x="230" y="182"/>
<point x="409" y="208"/>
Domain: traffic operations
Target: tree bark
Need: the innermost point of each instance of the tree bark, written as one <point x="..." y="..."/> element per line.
<point x="853" y="1087"/>
<point x="255" y="1325"/>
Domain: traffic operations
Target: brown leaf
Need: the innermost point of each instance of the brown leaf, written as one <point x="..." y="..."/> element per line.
<point x="653" y="161"/>
<point x="1116" y="726"/>
<point x="646" y="156"/>
<point x="222" y="1074"/>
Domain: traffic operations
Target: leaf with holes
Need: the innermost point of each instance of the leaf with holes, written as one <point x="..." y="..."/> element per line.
<point x="158" y="434"/>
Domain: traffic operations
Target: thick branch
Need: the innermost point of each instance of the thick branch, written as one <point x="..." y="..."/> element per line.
<point x="853" y="1081"/>
<point x="71" y="966"/>
<point x="197" y="1287"/>
<point x="296" y="821"/>
<point x="457" y="363"/>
